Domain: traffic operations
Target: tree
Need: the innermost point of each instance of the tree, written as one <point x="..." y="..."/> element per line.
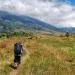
<point x="67" y="35"/>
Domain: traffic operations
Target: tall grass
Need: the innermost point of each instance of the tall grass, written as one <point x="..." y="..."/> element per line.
<point x="49" y="55"/>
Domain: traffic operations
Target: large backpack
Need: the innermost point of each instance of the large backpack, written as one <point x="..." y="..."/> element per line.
<point x="18" y="49"/>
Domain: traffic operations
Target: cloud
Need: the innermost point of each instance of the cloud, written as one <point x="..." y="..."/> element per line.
<point x="58" y="13"/>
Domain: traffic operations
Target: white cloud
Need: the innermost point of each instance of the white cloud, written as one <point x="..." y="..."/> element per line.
<point x="50" y="11"/>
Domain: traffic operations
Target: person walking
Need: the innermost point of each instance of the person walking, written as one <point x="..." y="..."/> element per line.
<point x="18" y="50"/>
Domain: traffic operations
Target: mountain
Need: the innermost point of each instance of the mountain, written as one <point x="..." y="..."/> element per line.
<point x="9" y="21"/>
<point x="12" y="23"/>
<point x="69" y="29"/>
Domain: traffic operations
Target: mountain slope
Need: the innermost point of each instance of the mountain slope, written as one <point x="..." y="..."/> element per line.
<point x="25" y="22"/>
<point x="10" y="23"/>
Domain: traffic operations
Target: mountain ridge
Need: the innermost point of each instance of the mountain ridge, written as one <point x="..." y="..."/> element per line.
<point x="31" y="23"/>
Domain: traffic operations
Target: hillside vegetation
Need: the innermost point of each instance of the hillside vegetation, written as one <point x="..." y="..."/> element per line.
<point x="49" y="55"/>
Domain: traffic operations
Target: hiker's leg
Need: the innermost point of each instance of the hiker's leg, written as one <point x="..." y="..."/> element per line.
<point x="16" y="59"/>
<point x="19" y="59"/>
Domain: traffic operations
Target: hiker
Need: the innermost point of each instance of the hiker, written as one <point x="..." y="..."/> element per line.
<point x="18" y="52"/>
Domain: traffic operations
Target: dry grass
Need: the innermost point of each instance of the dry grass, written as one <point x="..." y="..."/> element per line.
<point x="49" y="55"/>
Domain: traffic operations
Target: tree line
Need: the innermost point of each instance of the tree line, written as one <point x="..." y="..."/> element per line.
<point x="8" y="35"/>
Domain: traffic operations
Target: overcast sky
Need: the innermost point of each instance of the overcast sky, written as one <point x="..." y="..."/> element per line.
<point x="57" y="12"/>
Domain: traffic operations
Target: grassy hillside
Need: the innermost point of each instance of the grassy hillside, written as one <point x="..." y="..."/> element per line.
<point x="11" y="23"/>
<point x="49" y="55"/>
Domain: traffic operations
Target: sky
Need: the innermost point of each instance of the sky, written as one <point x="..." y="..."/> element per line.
<point x="72" y="2"/>
<point x="60" y="13"/>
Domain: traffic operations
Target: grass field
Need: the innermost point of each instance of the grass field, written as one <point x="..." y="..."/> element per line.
<point x="49" y="55"/>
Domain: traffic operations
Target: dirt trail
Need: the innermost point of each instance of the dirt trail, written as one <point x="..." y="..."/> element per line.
<point x="24" y="58"/>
